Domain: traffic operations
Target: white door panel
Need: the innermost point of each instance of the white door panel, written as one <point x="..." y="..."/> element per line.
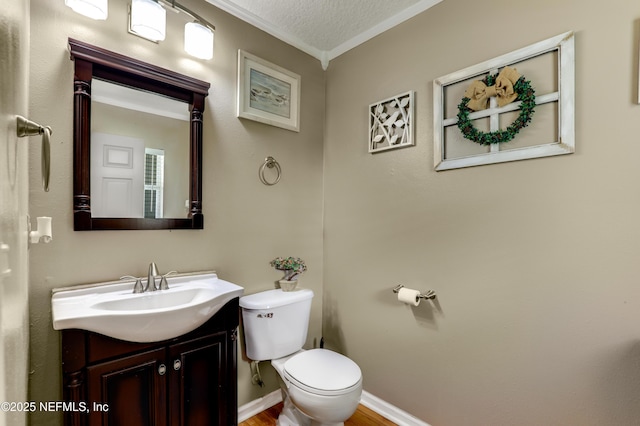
<point x="14" y="279"/>
<point x="117" y="176"/>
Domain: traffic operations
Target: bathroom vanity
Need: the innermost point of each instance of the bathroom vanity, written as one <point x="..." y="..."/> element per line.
<point x="189" y="380"/>
<point x="162" y="357"/>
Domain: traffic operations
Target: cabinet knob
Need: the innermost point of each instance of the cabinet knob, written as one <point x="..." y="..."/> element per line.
<point x="162" y="369"/>
<point x="177" y="364"/>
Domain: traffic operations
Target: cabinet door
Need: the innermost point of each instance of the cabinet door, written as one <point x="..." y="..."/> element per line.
<point x="132" y="391"/>
<point x="198" y="382"/>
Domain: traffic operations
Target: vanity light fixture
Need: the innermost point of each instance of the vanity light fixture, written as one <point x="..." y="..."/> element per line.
<point x="198" y="35"/>
<point x="198" y="40"/>
<point x="95" y="9"/>
<point x="148" y="19"/>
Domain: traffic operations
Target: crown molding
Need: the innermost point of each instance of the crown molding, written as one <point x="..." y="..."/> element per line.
<point x="324" y="56"/>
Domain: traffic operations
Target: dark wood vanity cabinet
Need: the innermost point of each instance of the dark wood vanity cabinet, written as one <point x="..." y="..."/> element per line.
<point x="129" y="389"/>
<point x="187" y="381"/>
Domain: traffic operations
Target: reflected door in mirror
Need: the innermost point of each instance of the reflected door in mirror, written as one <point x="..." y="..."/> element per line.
<point x="117" y="176"/>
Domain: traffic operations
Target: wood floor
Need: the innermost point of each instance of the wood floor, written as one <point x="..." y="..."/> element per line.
<point x="362" y="417"/>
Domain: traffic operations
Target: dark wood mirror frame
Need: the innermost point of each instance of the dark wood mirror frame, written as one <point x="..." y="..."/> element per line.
<point x="91" y="61"/>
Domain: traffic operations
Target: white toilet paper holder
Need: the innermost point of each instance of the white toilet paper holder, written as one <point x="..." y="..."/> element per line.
<point x="430" y="294"/>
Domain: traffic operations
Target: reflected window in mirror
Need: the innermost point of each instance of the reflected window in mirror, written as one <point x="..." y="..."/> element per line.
<point x="154" y="183"/>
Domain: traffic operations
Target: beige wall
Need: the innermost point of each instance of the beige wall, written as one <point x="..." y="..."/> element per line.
<point x="535" y="263"/>
<point x="246" y="223"/>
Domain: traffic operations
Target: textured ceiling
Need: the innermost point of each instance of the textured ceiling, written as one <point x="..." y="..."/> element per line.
<point x="324" y="28"/>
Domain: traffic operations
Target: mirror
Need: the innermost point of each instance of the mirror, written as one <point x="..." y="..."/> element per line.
<point x="137" y="143"/>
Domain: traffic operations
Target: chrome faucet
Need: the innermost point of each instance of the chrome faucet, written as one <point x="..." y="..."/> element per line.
<point x="151" y="278"/>
<point x="151" y="284"/>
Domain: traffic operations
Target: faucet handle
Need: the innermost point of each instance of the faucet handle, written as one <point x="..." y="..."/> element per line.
<point x="137" y="287"/>
<point x="164" y="285"/>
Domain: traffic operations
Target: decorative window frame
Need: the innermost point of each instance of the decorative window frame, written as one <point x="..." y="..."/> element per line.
<point x="565" y="96"/>
<point x="386" y="117"/>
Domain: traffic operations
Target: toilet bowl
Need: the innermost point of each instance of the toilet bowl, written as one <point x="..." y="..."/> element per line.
<point x="319" y="387"/>
<point x="324" y="386"/>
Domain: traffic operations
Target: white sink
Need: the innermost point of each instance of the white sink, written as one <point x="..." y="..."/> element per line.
<point x="114" y="310"/>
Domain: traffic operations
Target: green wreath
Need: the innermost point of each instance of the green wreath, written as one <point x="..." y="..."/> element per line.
<point x="526" y="95"/>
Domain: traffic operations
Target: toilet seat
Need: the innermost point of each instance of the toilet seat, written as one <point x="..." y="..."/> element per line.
<point x="322" y="372"/>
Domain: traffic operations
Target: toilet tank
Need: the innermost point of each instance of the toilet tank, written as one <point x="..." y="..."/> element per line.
<point x="275" y="322"/>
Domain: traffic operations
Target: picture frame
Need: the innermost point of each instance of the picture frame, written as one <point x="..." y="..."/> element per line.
<point x="555" y="101"/>
<point x="267" y="93"/>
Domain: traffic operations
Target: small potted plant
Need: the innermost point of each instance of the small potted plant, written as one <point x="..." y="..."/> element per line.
<point x="292" y="267"/>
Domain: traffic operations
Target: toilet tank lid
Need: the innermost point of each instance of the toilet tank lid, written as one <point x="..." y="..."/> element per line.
<point x="274" y="298"/>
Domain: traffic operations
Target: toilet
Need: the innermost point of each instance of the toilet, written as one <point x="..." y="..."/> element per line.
<point x="319" y="387"/>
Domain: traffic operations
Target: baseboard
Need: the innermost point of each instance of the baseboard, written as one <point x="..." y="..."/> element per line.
<point x="256" y="406"/>
<point x="386" y="410"/>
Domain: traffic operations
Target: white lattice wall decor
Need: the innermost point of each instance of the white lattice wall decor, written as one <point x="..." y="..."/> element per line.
<point x="549" y="66"/>
<point x="391" y="123"/>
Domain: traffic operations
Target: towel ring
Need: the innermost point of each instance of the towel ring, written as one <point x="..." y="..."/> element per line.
<point x="270" y="162"/>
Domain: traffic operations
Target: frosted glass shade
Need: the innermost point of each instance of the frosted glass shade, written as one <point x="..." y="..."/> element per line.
<point x="198" y="40"/>
<point x="148" y="19"/>
<point x="95" y="9"/>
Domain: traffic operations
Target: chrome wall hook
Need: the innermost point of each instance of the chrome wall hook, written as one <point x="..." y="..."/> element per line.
<point x="270" y="163"/>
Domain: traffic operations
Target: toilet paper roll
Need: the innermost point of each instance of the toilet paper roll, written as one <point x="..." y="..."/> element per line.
<point x="409" y="296"/>
<point x="44" y="228"/>
<point x="44" y="225"/>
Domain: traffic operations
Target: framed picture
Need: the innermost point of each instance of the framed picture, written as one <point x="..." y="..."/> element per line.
<point x="268" y="93"/>
<point x="549" y="66"/>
